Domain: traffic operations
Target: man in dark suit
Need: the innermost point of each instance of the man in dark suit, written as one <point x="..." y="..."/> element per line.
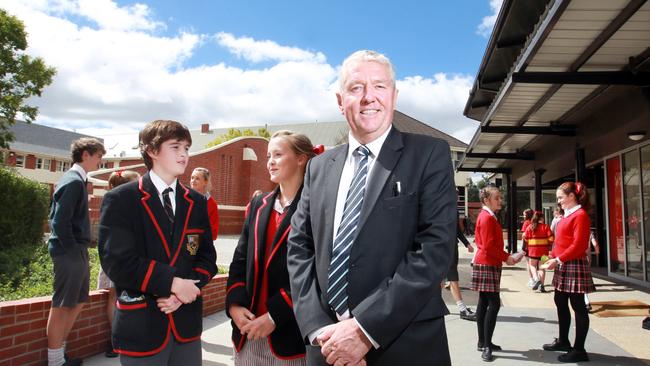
<point x="372" y="236"/>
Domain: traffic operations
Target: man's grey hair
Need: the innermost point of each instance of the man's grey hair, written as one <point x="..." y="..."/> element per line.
<point x="364" y="55"/>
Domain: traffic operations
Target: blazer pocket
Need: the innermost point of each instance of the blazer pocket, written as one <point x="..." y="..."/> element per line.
<point x="399" y="201"/>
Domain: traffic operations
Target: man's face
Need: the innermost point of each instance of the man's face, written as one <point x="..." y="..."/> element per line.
<point x="367" y="100"/>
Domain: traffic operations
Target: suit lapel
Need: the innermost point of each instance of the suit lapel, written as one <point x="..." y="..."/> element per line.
<point x="333" y="170"/>
<point x="381" y="170"/>
<point x="155" y="211"/>
<point x="261" y="223"/>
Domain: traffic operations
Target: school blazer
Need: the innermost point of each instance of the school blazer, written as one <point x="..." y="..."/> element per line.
<point x="141" y="252"/>
<point x="247" y="270"/>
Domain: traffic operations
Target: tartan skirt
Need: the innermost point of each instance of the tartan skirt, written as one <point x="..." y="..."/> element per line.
<point x="574" y="277"/>
<point x="486" y="278"/>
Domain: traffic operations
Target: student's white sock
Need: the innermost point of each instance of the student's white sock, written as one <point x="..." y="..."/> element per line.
<point x="55" y="357"/>
<point x="461" y="305"/>
<point x="586" y="299"/>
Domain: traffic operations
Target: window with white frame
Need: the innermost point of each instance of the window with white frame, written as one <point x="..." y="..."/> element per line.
<point x="42" y="163"/>
<point x="62" y="166"/>
<point x="20" y="161"/>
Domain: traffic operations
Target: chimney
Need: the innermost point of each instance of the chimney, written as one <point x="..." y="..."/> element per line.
<point x="205" y="128"/>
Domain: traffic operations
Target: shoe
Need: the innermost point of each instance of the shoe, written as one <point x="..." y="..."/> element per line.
<point x="557" y="345"/>
<point x="468" y="314"/>
<point x="487" y="355"/>
<point x="493" y="347"/>
<point x="574" y="356"/>
<point x="536" y="285"/>
<point x="530" y="283"/>
<point x="447" y="285"/>
<point x="73" y="362"/>
<point x="541" y="289"/>
<point x="645" y="324"/>
<point x="588" y="306"/>
<point x="110" y="354"/>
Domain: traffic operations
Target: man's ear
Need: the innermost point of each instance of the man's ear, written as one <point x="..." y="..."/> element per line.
<point x="85" y="155"/>
<point x="339" y="100"/>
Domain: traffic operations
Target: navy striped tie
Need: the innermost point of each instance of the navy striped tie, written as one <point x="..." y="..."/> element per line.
<point x="346" y="233"/>
<point x="169" y="210"/>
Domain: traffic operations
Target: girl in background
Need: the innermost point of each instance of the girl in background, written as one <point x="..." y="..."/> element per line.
<point x="539" y="238"/>
<point x="486" y="272"/>
<point x="200" y="182"/>
<point x="572" y="278"/>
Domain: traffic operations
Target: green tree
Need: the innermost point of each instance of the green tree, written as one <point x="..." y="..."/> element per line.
<point x="21" y="76"/>
<point x="234" y="133"/>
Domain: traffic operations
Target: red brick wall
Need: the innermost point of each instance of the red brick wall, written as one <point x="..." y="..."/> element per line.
<point x="22" y="326"/>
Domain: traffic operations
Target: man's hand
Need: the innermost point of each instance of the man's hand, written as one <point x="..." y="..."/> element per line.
<point x="258" y="328"/>
<point x="470" y="248"/>
<point x="185" y="290"/>
<point x="344" y="343"/>
<point x="240" y="315"/>
<point x="168" y="304"/>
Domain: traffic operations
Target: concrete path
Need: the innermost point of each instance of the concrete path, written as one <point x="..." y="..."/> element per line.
<point x="526" y="321"/>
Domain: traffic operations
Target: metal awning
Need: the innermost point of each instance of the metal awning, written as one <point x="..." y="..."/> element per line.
<point x="575" y="51"/>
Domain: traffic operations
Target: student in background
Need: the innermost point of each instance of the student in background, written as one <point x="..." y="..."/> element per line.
<point x="539" y="237"/>
<point x="200" y="182"/>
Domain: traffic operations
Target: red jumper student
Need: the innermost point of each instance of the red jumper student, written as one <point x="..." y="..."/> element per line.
<point x="486" y="272"/>
<point x="539" y="238"/>
<point x="572" y="277"/>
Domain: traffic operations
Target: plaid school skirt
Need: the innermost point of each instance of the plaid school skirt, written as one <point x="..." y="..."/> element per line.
<point x="486" y="278"/>
<point x="574" y="277"/>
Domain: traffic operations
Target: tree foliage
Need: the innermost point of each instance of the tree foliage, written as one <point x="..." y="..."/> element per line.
<point x="21" y="76"/>
<point x="234" y="133"/>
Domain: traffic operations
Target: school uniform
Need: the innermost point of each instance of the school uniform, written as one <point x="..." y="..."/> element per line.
<point x="539" y="240"/>
<point x="486" y="271"/>
<point x="571" y="244"/>
<point x="142" y="248"/>
<point x="213" y="213"/>
<point x="259" y="280"/>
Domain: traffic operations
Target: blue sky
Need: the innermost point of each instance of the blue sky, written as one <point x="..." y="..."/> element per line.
<point x="122" y="63"/>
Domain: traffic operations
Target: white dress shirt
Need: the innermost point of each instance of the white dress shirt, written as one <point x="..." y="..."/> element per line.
<point x="79" y="169"/>
<point x="161" y="186"/>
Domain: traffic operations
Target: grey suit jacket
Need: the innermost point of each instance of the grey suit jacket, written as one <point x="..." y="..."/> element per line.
<point x="402" y="250"/>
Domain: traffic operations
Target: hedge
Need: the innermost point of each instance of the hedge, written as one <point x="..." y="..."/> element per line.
<point x="24" y="204"/>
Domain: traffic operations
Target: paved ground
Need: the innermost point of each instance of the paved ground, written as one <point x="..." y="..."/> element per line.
<point x="526" y="321"/>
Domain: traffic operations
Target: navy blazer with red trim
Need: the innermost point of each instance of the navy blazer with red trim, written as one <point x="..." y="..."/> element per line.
<point x="142" y="253"/>
<point x="247" y="270"/>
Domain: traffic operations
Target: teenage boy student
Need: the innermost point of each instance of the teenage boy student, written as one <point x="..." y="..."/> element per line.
<point x="68" y="247"/>
<point x="156" y="245"/>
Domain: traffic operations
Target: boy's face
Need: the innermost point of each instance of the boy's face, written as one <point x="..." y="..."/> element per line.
<point x="91" y="162"/>
<point x="172" y="157"/>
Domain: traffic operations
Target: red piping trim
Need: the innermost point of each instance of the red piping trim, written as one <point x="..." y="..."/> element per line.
<point x="187" y="219"/>
<point x="257" y="222"/>
<point x="203" y="271"/>
<point x="286" y="297"/>
<point x="234" y="286"/>
<point x="277" y="246"/>
<point x="178" y="336"/>
<point x="130" y="306"/>
<point x="194" y="231"/>
<point x="146" y="353"/>
<point x="153" y="218"/>
<point x="299" y="355"/>
<point x="147" y="276"/>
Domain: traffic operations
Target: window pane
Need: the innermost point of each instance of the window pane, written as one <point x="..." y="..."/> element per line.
<point x="645" y="173"/>
<point x="632" y="206"/>
<point x="615" y="216"/>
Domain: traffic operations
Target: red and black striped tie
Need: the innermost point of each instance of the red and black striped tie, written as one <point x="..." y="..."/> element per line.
<point x="169" y="210"/>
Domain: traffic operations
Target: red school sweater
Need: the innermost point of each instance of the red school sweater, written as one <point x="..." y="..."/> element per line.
<point x="489" y="240"/>
<point x="572" y="236"/>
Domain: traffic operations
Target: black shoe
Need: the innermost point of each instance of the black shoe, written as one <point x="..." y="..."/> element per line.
<point x="645" y="324"/>
<point x="557" y="345"/>
<point x="468" y="314"/>
<point x="541" y="289"/>
<point x="110" y="354"/>
<point x="537" y="284"/>
<point x="493" y="347"/>
<point x="574" y="356"/>
<point x="487" y="355"/>
<point x="588" y="306"/>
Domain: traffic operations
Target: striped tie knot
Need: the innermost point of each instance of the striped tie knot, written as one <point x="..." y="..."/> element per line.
<point x="362" y="151"/>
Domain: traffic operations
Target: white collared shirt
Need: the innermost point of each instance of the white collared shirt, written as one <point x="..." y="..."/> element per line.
<point x="489" y="211"/>
<point x="161" y="186"/>
<point x="79" y="169"/>
<point x="351" y="162"/>
<point x="573" y="209"/>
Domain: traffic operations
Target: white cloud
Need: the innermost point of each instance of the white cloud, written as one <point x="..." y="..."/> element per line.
<point x="112" y="78"/>
<point x="258" y="51"/>
<point x="485" y="28"/>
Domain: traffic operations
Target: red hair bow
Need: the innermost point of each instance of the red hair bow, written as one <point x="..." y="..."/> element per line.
<point x="318" y="149"/>
<point x="578" y="187"/>
<point x="118" y="173"/>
